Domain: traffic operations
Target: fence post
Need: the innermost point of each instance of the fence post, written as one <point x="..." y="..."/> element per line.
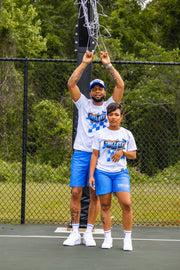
<point x="24" y="150"/>
<point x="83" y="42"/>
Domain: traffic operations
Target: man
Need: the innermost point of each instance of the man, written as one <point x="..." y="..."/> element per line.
<point x="91" y="117"/>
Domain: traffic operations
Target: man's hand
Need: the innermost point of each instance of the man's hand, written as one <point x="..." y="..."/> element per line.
<point x="88" y="57"/>
<point x="105" y="58"/>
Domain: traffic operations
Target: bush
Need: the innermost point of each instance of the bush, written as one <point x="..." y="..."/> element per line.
<point x="36" y="172"/>
<point x="170" y="175"/>
<point x="50" y="133"/>
<point x="11" y="172"/>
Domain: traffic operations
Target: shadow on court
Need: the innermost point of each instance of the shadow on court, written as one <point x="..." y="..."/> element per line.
<point x="36" y="247"/>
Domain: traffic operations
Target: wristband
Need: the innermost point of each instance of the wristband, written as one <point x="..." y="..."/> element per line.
<point x="108" y="65"/>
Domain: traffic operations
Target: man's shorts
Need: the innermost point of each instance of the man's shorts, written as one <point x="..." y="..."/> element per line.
<point x="107" y="182"/>
<point x="80" y="169"/>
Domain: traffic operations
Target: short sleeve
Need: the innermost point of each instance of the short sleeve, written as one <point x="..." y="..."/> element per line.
<point x="96" y="142"/>
<point x="131" y="145"/>
<point x="80" y="101"/>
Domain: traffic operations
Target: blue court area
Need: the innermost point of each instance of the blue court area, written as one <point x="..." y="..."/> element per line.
<point x="36" y="247"/>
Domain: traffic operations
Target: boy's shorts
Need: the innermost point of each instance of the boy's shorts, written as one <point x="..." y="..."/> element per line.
<point x="107" y="182"/>
<point x="80" y="169"/>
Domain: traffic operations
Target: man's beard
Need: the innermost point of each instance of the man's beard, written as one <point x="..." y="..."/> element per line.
<point x="98" y="100"/>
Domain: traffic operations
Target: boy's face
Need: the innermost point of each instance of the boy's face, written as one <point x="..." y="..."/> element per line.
<point x="115" y="118"/>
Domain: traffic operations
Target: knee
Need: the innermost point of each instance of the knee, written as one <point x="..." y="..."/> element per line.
<point x="105" y="207"/>
<point x="93" y="197"/>
<point x="76" y="195"/>
<point x="127" y="207"/>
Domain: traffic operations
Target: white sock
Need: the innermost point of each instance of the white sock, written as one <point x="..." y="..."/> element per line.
<point x="75" y="228"/>
<point x="127" y="234"/>
<point x="89" y="228"/>
<point x="107" y="234"/>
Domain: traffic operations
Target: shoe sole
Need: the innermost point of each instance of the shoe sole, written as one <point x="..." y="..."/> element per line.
<point x="75" y="244"/>
<point x="127" y="249"/>
<point x="107" y="247"/>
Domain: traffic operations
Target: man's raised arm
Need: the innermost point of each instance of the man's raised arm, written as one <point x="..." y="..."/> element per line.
<point x="75" y="77"/>
<point x="119" y="84"/>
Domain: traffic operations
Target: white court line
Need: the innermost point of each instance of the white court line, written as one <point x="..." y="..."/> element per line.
<point x="97" y="238"/>
<point x="64" y="230"/>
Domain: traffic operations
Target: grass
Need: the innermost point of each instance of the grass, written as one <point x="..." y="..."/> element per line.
<point x="48" y="203"/>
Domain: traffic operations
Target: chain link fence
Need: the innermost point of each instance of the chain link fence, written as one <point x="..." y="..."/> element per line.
<point x="36" y="124"/>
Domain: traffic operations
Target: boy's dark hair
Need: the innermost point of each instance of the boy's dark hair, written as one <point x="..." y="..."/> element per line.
<point x="113" y="106"/>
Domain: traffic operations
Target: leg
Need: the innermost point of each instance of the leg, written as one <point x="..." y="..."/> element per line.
<point x="75" y="207"/>
<point x="75" y="204"/>
<point x="124" y="199"/>
<point x="94" y="206"/>
<point x="125" y="203"/>
<point x="79" y="172"/>
<point x="105" y="211"/>
<point x="106" y="219"/>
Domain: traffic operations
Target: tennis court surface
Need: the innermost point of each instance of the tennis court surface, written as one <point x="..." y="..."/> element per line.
<point x="36" y="247"/>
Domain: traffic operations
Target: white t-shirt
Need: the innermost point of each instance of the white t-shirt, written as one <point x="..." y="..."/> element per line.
<point x="108" y="142"/>
<point x="91" y="118"/>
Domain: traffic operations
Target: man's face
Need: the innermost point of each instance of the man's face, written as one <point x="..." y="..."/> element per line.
<point x="97" y="93"/>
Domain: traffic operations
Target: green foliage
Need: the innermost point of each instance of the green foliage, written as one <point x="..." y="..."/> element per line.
<point x="170" y="175"/>
<point x="20" y="29"/>
<point x="49" y="133"/>
<point x="46" y="173"/>
<point x="10" y="172"/>
<point x="127" y="24"/>
<point x="49" y="80"/>
<point x="137" y="176"/>
<point x="151" y="99"/>
<point x="36" y="172"/>
<point x="165" y="16"/>
<point x="11" y="111"/>
<point x="58" y="26"/>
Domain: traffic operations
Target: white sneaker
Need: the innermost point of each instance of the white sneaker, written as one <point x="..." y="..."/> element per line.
<point x="73" y="239"/>
<point x="127" y="244"/>
<point x="107" y="243"/>
<point x="88" y="240"/>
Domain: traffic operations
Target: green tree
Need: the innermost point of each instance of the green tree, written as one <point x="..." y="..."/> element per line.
<point x="152" y="107"/>
<point x="127" y="24"/>
<point x="20" y="30"/>
<point x="58" y="26"/>
<point x="165" y="21"/>
<point x="11" y="112"/>
<point x="49" y="133"/>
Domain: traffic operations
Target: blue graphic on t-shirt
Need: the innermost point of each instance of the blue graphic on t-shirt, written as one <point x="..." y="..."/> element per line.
<point x="113" y="146"/>
<point x="97" y="121"/>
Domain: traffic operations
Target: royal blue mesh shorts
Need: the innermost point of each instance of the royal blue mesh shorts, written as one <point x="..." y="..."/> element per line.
<point x="107" y="182"/>
<point x="80" y="169"/>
